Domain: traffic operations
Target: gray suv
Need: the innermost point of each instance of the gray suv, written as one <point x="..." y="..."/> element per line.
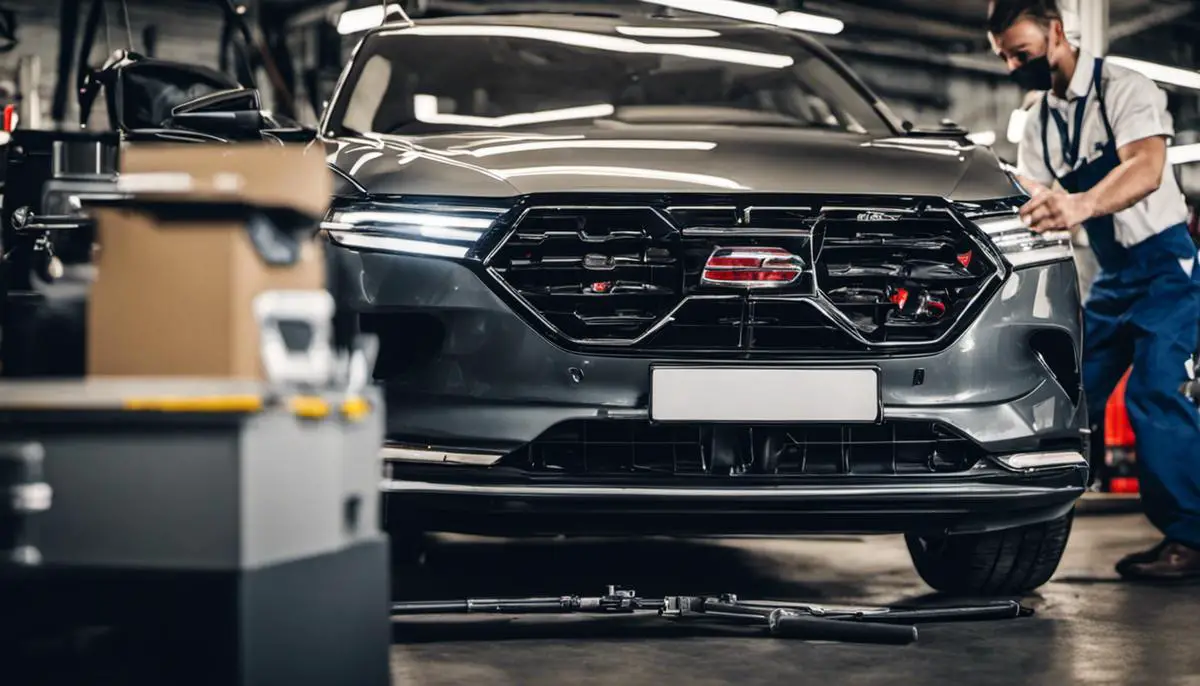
<point x="651" y="275"/>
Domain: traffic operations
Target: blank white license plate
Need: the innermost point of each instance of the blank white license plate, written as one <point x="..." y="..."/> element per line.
<point x="706" y="394"/>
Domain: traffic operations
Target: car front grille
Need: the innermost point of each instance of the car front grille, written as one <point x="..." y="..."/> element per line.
<point x="633" y="447"/>
<point x="610" y="276"/>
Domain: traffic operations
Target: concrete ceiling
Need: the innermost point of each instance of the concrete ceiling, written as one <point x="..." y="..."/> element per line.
<point x="942" y="21"/>
<point x="962" y="20"/>
<point x="934" y="32"/>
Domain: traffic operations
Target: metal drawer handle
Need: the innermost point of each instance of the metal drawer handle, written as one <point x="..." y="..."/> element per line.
<point x="25" y="221"/>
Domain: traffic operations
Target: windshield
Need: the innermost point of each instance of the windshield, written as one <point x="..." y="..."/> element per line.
<point x="440" y="78"/>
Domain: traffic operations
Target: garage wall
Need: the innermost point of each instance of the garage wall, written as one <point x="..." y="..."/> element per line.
<point x="187" y="30"/>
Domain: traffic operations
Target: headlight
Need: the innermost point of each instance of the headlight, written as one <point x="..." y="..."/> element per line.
<point x="441" y="231"/>
<point x="1022" y="246"/>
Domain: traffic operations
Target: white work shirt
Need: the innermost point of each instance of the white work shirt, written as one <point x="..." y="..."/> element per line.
<point x="1137" y="109"/>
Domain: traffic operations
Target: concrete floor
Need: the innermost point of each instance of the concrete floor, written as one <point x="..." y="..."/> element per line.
<point x="1089" y="628"/>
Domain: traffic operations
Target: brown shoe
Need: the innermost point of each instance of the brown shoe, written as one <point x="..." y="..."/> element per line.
<point x="1150" y="555"/>
<point x="1175" y="562"/>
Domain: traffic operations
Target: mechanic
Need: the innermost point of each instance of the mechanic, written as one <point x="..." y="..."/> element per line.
<point x="1094" y="153"/>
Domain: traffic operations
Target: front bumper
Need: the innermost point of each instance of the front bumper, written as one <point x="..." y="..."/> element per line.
<point x="465" y="375"/>
<point x="489" y="501"/>
<point x="461" y="370"/>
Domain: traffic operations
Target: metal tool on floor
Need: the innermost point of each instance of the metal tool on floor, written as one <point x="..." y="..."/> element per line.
<point x="884" y="625"/>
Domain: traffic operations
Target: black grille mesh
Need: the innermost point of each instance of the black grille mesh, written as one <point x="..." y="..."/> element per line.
<point x="864" y="266"/>
<point x="630" y="276"/>
<point x="606" y="275"/>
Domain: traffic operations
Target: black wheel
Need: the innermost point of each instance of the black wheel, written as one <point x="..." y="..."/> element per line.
<point x="1008" y="562"/>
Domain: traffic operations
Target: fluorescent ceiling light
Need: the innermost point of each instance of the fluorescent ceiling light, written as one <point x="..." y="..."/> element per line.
<point x="1184" y="154"/>
<point x="724" y="8"/>
<point x="1185" y="78"/>
<point x="984" y="138"/>
<point x="590" y="144"/>
<point x="353" y="21"/>
<point x="653" y="32"/>
<point x="425" y="109"/>
<point x="804" y="21"/>
<point x="610" y="43"/>
<point x="758" y="14"/>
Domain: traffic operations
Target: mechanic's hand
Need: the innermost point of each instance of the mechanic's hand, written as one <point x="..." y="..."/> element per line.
<point x="1055" y="209"/>
<point x="1030" y="185"/>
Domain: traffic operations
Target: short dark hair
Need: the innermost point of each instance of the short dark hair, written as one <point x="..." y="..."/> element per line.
<point x="1002" y="14"/>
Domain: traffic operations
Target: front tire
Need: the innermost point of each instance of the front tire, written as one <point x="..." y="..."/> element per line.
<point x="1008" y="562"/>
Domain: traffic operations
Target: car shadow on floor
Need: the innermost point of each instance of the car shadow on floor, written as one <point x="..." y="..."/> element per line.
<point x="564" y="566"/>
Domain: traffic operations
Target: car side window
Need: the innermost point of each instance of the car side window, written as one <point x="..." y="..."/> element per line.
<point x="363" y="110"/>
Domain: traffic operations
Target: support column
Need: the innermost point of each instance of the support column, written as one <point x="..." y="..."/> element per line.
<point x="29" y="76"/>
<point x="1087" y="24"/>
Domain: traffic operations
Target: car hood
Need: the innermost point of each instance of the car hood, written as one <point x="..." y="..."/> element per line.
<point x="720" y="160"/>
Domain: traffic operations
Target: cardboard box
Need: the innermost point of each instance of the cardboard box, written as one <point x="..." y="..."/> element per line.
<point x="177" y="271"/>
<point x="266" y="175"/>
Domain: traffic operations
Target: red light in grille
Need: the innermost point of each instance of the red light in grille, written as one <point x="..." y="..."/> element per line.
<point x="752" y="267"/>
<point x="922" y="305"/>
<point x="734" y="262"/>
<point x="749" y="276"/>
<point x="601" y="287"/>
<point x="1123" y="484"/>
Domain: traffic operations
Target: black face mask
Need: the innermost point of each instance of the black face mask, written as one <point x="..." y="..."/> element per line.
<point x="1034" y="75"/>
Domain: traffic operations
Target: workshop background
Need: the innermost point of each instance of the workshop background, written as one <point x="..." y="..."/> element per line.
<point x="927" y="58"/>
<point x="930" y="60"/>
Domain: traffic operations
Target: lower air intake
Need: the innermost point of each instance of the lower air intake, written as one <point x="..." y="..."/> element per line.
<point x="624" y="448"/>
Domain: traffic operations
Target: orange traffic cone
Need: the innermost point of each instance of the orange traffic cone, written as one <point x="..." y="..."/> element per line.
<point x="1121" y="451"/>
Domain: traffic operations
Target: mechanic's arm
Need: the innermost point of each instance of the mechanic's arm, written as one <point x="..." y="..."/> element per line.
<point x="1141" y="128"/>
<point x="1138" y="175"/>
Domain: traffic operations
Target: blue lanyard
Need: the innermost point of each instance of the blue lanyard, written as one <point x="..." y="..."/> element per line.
<point x="1071" y="148"/>
<point x="1071" y="153"/>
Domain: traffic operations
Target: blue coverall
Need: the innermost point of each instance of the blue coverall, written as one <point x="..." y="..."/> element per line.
<point x="1144" y="310"/>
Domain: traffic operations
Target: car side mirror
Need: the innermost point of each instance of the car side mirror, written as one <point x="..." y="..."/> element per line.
<point x="234" y="114"/>
<point x="229" y="100"/>
<point x="143" y="93"/>
<point x="229" y="125"/>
